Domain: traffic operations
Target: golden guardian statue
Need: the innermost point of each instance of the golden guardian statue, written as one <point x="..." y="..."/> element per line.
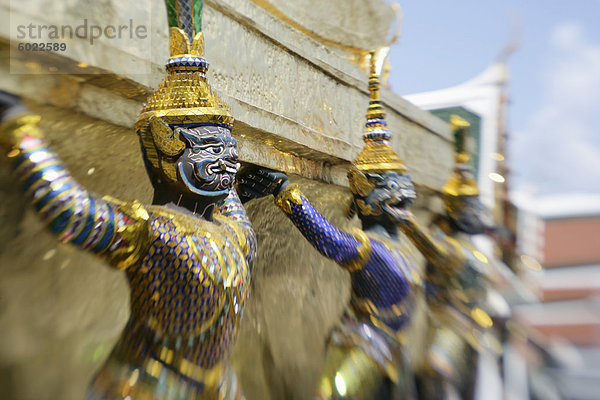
<point x="186" y="256"/>
<point x="458" y="277"/>
<point x="364" y="359"/>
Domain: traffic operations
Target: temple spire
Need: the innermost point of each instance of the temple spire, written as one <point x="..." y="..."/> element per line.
<point x="377" y="154"/>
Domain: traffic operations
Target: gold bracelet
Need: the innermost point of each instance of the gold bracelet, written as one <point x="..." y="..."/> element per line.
<point x="13" y="130"/>
<point x="364" y="251"/>
<point x="288" y="196"/>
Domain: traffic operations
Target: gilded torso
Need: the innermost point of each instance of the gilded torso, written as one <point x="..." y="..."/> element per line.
<point x="187" y="295"/>
<point x="193" y="276"/>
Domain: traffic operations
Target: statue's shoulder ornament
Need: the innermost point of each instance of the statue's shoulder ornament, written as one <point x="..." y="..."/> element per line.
<point x="135" y="232"/>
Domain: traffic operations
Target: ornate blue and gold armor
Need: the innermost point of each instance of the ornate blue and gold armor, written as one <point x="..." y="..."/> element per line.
<point x="380" y="270"/>
<point x="364" y="349"/>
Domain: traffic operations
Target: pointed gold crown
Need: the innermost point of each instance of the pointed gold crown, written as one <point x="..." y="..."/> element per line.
<point x="462" y="182"/>
<point x="184" y="97"/>
<point x="377" y="154"/>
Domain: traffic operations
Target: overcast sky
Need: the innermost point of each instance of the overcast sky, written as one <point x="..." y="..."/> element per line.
<point x="555" y="78"/>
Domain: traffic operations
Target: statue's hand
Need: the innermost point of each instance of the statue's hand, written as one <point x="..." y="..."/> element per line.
<point x="256" y="182"/>
<point x="15" y="122"/>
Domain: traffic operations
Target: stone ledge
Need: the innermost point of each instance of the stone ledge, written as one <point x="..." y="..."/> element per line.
<point x="299" y="105"/>
<point x="253" y="17"/>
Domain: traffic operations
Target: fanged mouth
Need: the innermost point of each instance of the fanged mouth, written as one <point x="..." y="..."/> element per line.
<point x="207" y="171"/>
<point x="224" y="166"/>
<point x="397" y="208"/>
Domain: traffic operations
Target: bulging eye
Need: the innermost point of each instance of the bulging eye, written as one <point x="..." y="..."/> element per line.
<point x="394" y="185"/>
<point x="215" y="149"/>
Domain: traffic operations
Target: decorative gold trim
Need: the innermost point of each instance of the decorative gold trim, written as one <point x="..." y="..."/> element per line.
<point x="379" y="158"/>
<point x="210" y="377"/>
<point x="459" y="185"/>
<point x="366" y="209"/>
<point x="198" y="45"/>
<point x="359" y="183"/>
<point x="136" y="235"/>
<point x="179" y="44"/>
<point x="13" y="130"/>
<point x="189" y="225"/>
<point x="288" y="196"/>
<point x="364" y="251"/>
<point x="242" y="243"/>
<point x="165" y="138"/>
<point x="38" y="166"/>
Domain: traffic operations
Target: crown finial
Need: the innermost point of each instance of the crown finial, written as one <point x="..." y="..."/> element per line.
<point x="377" y="154"/>
<point x="462" y="182"/>
<point x="375" y="110"/>
<point x="376" y="126"/>
<point x="459" y="128"/>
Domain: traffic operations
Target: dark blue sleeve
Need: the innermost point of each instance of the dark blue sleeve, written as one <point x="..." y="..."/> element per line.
<point x="330" y="241"/>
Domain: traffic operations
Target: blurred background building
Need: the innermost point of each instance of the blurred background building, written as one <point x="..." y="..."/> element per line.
<point x="553" y="241"/>
<point x="482" y="102"/>
<point x="563" y="232"/>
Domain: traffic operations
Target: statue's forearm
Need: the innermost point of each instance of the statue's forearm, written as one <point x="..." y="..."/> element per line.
<point x="433" y="251"/>
<point x="232" y="208"/>
<point x="70" y="211"/>
<point x="330" y="241"/>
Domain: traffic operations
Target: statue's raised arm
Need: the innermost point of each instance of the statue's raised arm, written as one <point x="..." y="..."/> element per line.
<point x="111" y="229"/>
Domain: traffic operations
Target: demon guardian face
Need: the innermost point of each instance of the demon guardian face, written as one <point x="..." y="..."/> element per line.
<point x="390" y="197"/>
<point x="208" y="164"/>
